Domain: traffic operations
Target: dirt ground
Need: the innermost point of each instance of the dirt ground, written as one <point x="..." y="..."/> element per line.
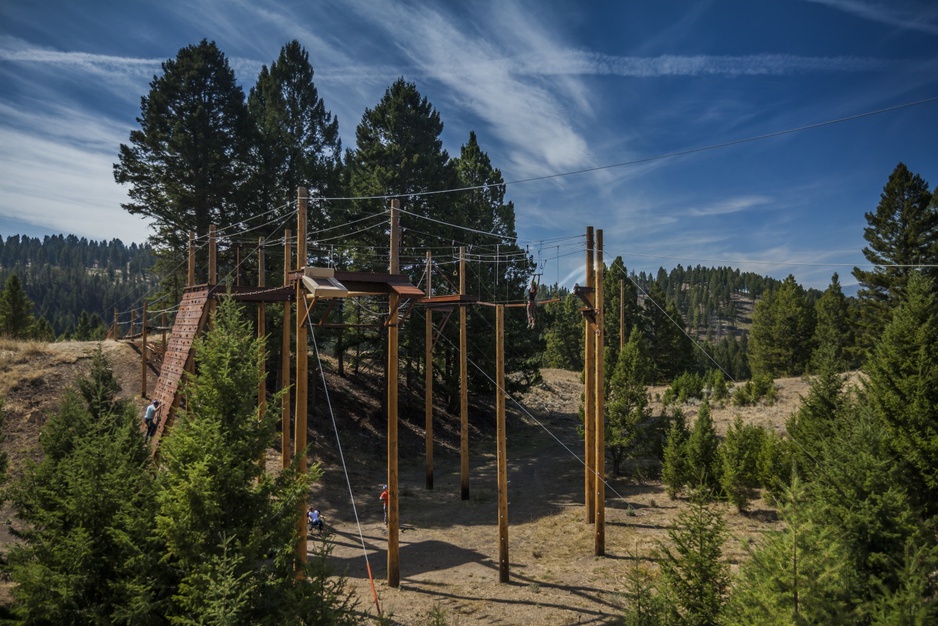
<point x="448" y="546"/>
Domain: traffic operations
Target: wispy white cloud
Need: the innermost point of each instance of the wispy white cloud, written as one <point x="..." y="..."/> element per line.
<point x="61" y="187"/>
<point x="728" y="206"/>
<point x="121" y="72"/>
<point x="917" y="15"/>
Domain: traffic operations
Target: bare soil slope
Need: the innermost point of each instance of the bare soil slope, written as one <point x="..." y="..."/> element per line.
<point x="448" y="546"/>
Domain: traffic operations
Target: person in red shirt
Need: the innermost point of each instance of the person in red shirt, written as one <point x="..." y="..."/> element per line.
<point x="384" y="501"/>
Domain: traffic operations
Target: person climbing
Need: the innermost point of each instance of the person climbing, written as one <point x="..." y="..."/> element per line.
<point x="149" y="419"/>
<point x="532" y="299"/>
<point x="384" y="501"/>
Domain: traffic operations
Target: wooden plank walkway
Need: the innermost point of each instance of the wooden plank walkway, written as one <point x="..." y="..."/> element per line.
<point x="191" y="317"/>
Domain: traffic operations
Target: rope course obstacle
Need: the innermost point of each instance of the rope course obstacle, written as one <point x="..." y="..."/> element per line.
<point x="304" y="286"/>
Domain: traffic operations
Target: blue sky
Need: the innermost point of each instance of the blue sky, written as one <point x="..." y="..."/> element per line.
<point x="549" y="87"/>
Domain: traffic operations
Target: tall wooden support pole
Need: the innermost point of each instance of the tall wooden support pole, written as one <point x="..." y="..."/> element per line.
<point x="463" y="384"/>
<point x="285" y="450"/>
<point x="589" y="388"/>
<point x="621" y="315"/>
<point x="143" y="352"/>
<point x="428" y="377"/>
<point x="212" y="256"/>
<point x="394" y="574"/>
<point x="600" y="416"/>
<point x="190" y="280"/>
<point x="237" y="265"/>
<point x="261" y="334"/>
<point x="302" y="367"/>
<point x="212" y="267"/>
<point x="163" y="332"/>
<point x="502" y="459"/>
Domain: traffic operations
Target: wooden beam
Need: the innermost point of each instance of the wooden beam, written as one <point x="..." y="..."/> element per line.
<point x="143" y="352"/>
<point x="428" y="379"/>
<point x="463" y="384"/>
<point x="302" y="368"/>
<point x="599" y="539"/>
<point x="589" y="388"/>
<point x="261" y="335"/>
<point x="285" y="451"/>
<point x="502" y="448"/>
<point x="394" y="573"/>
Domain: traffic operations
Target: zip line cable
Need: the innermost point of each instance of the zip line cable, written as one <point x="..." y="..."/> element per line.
<point x="338" y="442"/>
<point x="658" y="157"/>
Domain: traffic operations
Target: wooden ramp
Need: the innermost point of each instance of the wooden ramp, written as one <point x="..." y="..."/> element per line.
<point x="190" y="319"/>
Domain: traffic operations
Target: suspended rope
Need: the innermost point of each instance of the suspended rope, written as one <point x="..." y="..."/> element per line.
<point x="348" y="482"/>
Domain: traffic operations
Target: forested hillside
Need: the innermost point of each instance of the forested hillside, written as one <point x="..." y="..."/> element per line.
<point x="75" y="284"/>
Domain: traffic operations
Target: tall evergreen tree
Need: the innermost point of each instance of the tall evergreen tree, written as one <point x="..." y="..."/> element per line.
<point x="186" y="165"/>
<point x="86" y="554"/>
<point x="16" y="310"/>
<point x="703" y="462"/>
<point x="782" y="329"/>
<point x="795" y="575"/>
<point x="902" y="233"/>
<point x="228" y="525"/>
<point x="694" y="574"/>
<point x="399" y="153"/>
<point x="903" y="387"/>
<point x="627" y="404"/>
<point x="296" y="140"/>
<point x="834" y="329"/>
<point x="669" y="346"/>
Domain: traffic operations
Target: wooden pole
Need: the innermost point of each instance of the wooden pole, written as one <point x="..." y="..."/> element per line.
<point x="190" y="280"/>
<point x="143" y="352"/>
<point x="502" y="446"/>
<point x="212" y="256"/>
<point x="463" y="383"/>
<point x="394" y="574"/>
<point x="428" y="376"/>
<point x="589" y="388"/>
<point x="237" y="265"/>
<point x="599" y="542"/>
<point x="133" y="322"/>
<point x="261" y="334"/>
<point x="621" y="315"/>
<point x="302" y="366"/>
<point x="285" y="451"/>
<point x="163" y="332"/>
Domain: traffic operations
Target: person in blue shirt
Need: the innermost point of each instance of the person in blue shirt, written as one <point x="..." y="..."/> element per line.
<point x="149" y="418"/>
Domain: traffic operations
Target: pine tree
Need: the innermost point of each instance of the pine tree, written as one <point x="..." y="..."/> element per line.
<point x="902" y="233"/>
<point x="834" y="330"/>
<point x="702" y="450"/>
<point x="675" y="472"/>
<point x="694" y="575"/>
<point x="782" y="329"/>
<point x="86" y="554"/>
<point x="228" y="525"/>
<point x="740" y="454"/>
<point x="819" y="417"/>
<point x="16" y="310"/>
<point x="296" y="141"/>
<point x="903" y="386"/>
<point x="796" y="575"/>
<point x="186" y="165"/>
<point x="627" y="405"/>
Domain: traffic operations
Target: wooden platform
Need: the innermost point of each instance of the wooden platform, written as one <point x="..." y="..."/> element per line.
<point x="191" y="317"/>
